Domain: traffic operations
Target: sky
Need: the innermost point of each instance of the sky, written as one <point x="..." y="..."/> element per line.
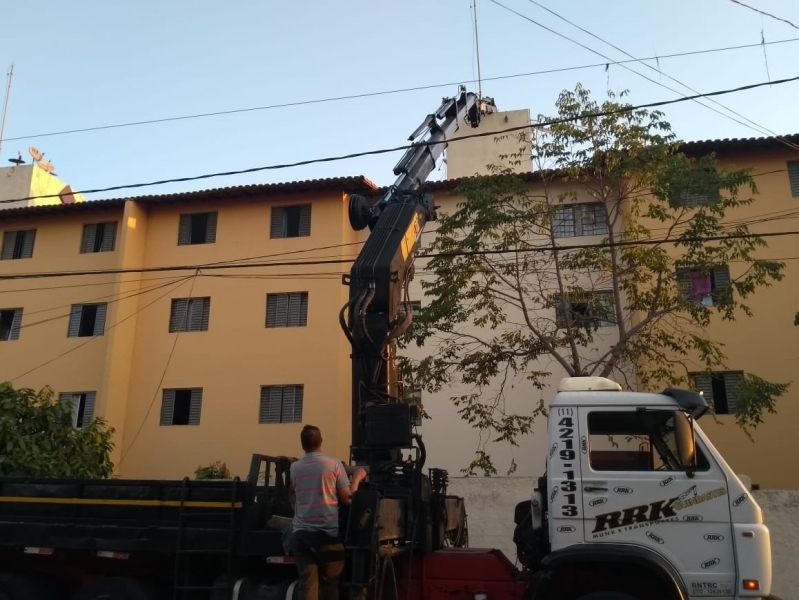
<point x="97" y="63"/>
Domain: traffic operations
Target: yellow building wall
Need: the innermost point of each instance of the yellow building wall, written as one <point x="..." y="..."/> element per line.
<point x="43" y="354"/>
<point x="238" y="354"/>
<point x="766" y="345"/>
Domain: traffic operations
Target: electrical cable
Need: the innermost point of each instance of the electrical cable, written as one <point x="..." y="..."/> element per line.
<point x="623" y="109"/>
<point x="755" y="126"/>
<point x="135" y="294"/>
<point x="82" y="285"/>
<point x="764" y="13"/>
<point x="124" y="455"/>
<point x="548" y="248"/>
<point x="387" y="92"/>
<point x="44" y="364"/>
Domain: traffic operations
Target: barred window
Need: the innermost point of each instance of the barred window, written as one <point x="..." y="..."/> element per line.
<point x="575" y="220"/>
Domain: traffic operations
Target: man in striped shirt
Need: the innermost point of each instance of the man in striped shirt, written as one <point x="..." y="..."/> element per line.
<point x="319" y="484"/>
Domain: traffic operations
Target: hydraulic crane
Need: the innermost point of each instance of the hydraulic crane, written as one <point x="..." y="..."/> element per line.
<point x="400" y="503"/>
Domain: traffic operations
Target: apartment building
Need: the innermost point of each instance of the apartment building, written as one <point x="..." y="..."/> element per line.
<point x="766" y="345"/>
<point x="190" y="366"/>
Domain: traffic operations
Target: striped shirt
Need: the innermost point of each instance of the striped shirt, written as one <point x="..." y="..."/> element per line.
<point x="316" y="479"/>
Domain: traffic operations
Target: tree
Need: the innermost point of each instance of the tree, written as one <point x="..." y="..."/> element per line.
<point x="37" y="438"/>
<point x="516" y="297"/>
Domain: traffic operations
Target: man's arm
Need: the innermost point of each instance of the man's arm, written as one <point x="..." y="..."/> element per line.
<point x="345" y="490"/>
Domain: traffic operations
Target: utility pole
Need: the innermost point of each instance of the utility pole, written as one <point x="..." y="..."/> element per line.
<point x="5" y="106"/>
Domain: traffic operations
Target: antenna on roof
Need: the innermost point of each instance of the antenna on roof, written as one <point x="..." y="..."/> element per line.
<point x="5" y="106"/>
<point x="37" y="157"/>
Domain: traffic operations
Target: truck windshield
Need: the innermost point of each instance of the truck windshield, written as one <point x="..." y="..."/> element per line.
<point x="635" y="441"/>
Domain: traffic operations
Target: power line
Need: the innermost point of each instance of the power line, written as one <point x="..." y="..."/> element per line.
<point x="123" y="455"/>
<point x="757" y="127"/>
<point x="79" y="346"/>
<point x="764" y="13"/>
<point x="606" y="113"/>
<point x="388" y="92"/>
<point x="335" y="261"/>
<point x="119" y="298"/>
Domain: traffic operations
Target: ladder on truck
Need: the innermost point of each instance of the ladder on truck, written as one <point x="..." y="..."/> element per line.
<point x="182" y="586"/>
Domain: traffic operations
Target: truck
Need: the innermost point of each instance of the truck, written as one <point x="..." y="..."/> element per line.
<point x="635" y="503"/>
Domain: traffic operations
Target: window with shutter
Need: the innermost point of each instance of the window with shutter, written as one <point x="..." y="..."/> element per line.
<point x="10" y="324"/>
<point x="708" y="289"/>
<point x="177" y="317"/>
<point x="87" y="320"/>
<point x="167" y="407"/>
<point x="793" y="177"/>
<point x="291" y="221"/>
<point x="9" y="241"/>
<point x="281" y="404"/>
<point x="720" y="389"/>
<point x="26" y="245"/>
<point x="109" y="239"/>
<point x="89" y="238"/>
<point x="99" y="319"/>
<point x="181" y="407"/>
<point x="287" y="310"/>
<point x="82" y="404"/>
<point x="197" y="228"/>
<point x="98" y="237"/>
<point x="18" y="244"/>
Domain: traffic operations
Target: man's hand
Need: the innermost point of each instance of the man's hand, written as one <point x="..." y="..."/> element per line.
<point x="357" y="477"/>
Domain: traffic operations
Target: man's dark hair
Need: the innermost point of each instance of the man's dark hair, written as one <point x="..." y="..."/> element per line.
<point x="311" y="438"/>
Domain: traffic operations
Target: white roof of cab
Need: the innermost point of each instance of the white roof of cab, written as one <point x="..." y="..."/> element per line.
<point x="585" y="384"/>
<point x="598" y="391"/>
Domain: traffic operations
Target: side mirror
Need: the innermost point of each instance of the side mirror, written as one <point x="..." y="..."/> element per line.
<point x="686" y="444"/>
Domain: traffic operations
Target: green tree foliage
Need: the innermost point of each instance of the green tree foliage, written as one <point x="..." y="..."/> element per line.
<point x="37" y="438"/>
<point x="216" y="470"/>
<point x="510" y="302"/>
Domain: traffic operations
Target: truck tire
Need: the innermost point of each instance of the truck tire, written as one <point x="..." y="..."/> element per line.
<point x="119" y="588"/>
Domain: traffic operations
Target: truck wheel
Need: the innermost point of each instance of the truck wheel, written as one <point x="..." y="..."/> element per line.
<point x="20" y="587"/>
<point x="119" y="588"/>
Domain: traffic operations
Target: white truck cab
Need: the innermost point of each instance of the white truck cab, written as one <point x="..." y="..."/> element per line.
<point x="634" y="490"/>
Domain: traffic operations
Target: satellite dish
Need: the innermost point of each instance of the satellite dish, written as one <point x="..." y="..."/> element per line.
<point x="46" y="166"/>
<point x="35" y="154"/>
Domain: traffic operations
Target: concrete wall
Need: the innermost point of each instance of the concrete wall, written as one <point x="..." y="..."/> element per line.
<point x="471" y="157"/>
<point x="24" y="181"/>
<point x="490" y="505"/>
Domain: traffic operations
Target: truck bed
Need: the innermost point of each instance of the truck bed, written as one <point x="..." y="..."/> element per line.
<point x="121" y="515"/>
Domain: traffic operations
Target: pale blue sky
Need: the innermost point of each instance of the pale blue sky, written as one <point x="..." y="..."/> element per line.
<point x="95" y="62"/>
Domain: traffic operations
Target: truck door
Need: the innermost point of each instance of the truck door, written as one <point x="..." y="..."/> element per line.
<point x="563" y="469"/>
<point x="635" y="491"/>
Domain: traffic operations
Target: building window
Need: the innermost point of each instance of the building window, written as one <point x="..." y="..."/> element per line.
<point x="82" y="407"/>
<point x="181" y="407"/>
<point x="575" y="220"/>
<point x="793" y="177"/>
<point x="636" y="441"/>
<point x="98" y="237"/>
<point x="197" y="228"/>
<point x="10" y="323"/>
<point x="87" y="320"/>
<point x="704" y="288"/>
<point x="18" y="244"/>
<point x="281" y="404"/>
<point x="291" y="221"/>
<point x="720" y="389"/>
<point x="189" y="314"/>
<point x="594" y="309"/>
<point x="416" y="308"/>
<point x="287" y="310"/>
